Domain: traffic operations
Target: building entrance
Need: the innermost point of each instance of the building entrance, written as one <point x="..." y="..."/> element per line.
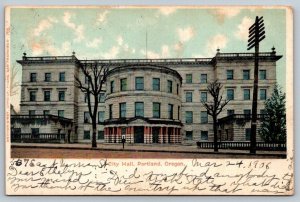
<point x="138" y="134"/>
<point x="155" y="134"/>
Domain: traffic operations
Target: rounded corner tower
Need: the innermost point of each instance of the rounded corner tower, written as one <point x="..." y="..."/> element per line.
<point x="143" y="105"/>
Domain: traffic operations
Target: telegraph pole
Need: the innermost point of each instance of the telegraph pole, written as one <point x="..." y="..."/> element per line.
<point x="256" y="35"/>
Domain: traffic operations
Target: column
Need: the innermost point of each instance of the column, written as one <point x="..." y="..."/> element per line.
<point x="160" y="135"/>
<point x="179" y="136"/>
<point x="114" y="135"/>
<point x="166" y="135"/>
<point x="173" y="136"/>
<point x="176" y="135"/>
<point x="118" y="135"/>
<point x="105" y="135"/>
<point x="145" y="134"/>
<point x="127" y="134"/>
<point x="131" y="134"/>
<point x="150" y="135"/>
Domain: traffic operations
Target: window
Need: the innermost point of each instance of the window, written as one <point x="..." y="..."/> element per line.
<point x="100" y="135"/>
<point x="189" y="78"/>
<point x="110" y="111"/>
<point x="247" y="134"/>
<point x="246" y="74"/>
<point x="32" y="77"/>
<point x="262" y="94"/>
<point x="32" y="95"/>
<point x="46" y="112"/>
<point x="139" y="83"/>
<point x="61" y="113"/>
<point x="177" y="89"/>
<point x="101" y="97"/>
<point x="85" y="98"/>
<point x="86" y="117"/>
<point x="247" y="113"/>
<point x="112" y="86"/>
<point x="47" y="95"/>
<point x="204" y="117"/>
<point x="170" y="111"/>
<point x="31" y="112"/>
<point x="101" y="116"/>
<point x="122" y="108"/>
<point x="47" y="77"/>
<point x="61" y="95"/>
<point x="35" y="131"/>
<point x="156" y="84"/>
<point x="62" y="76"/>
<point x="189" y="96"/>
<point x="262" y="74"/>
<point x="170" y="86"/>
<point x="263" y="111"/>
<point x="246" y="94"/>
<point x="229" y="74"/>
<point x="86" y="135"/>
<point x="189" y="135"/>
<point x="178" y="113"/>
<point x="188" y="117"/>
<point x="16" y="130"/>
<point x="203" y="78"/>
<point x="139" y="109"/>
<point x="204" y="135"/>
<point x="123" y="83"/>
<point x="230" y="94"/>
<point x="156" y="110"/>
<point x="230" y="112"/>
<point x="203" y="96"/>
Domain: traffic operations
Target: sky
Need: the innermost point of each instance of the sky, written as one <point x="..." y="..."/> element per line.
<point x="116" y="33"/>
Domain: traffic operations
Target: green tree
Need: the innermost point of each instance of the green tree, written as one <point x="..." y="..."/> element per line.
<point x="273" y="127"/>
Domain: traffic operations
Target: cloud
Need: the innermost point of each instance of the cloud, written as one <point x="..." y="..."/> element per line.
<point x="102" y="17"/>
<point x="164" y="53"/>
<point x="218" y="41"/>
<point x="223" y="13"/>
<point x="120" y="40"/>
<point x="46" y="46"/>
<point x="78" y="29"/>
<point x="65" y="48"/>
<point x="167" y="10"/>
<point x="186" y="34"/>
<point x="94" y="43"/>
<point x="112" y="53"/>
<point x="243" y="28"/>
<point x="44" y="25"/>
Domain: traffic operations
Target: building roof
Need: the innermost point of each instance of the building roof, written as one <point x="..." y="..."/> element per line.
<point x="269" y="56"/>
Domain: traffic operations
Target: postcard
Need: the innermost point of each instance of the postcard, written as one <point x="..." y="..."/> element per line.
<point x="149" y="100"/>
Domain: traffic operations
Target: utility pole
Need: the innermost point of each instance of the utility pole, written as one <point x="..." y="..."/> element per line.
<point x="256" y="35"/>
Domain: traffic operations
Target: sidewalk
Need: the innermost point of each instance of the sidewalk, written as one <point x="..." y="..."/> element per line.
<point x="147" y="148"/>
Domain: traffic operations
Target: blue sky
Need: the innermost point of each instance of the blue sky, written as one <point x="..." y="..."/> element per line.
<point x="108" y="33"/>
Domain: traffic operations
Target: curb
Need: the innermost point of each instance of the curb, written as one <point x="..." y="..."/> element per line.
<point x="145" y="150"/>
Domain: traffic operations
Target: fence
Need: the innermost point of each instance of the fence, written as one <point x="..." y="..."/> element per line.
<point x="38" y="138"/>
<point x="243" y="145"/>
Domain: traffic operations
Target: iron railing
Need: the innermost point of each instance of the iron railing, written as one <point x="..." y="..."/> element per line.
<point x="38" y="137"/>
<point x="240" y="145"/>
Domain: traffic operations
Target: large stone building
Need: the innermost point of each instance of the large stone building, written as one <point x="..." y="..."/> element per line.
<point x="147" y="100"/>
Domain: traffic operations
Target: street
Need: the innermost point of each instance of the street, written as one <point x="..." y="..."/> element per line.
<point x="27" y="152"/>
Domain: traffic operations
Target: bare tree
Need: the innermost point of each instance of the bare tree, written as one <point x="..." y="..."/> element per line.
<point x="95" y="75"/>
<point x="215" y="107"/>
<point x="14" y="84"/>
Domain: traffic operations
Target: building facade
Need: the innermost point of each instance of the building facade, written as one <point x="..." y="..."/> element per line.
<point x="146" y="100"/>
